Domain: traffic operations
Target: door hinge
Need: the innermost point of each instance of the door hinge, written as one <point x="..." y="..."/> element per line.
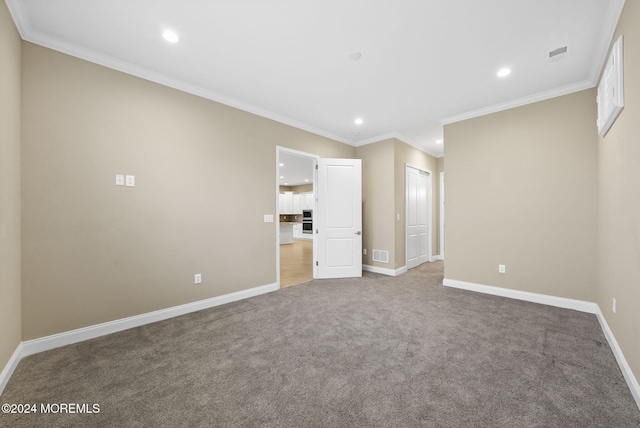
<point x="316" y="263"/>
<point x="316" y="166"/>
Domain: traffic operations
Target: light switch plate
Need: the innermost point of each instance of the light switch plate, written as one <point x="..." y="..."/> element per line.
<point x="268" y="218"/>
<point x="130" y="180"/>
<point x="119" y="180"/>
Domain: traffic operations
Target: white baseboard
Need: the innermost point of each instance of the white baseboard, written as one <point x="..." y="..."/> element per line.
<point x="385" y="271"/>
<point x="622" y="362"/>
<point x="10" y="367"/>
<point x="560" y="302"/>
<point x="34" y="346"/>
<point x="401" y="270"/>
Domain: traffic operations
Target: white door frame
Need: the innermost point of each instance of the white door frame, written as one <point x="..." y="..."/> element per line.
<point x="280" y="149"/>
<point x="406" y="212"/>
<point x="441" y="235"/>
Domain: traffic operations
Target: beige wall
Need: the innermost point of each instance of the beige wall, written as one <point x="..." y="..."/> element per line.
<point x="383" y="176"/>
<point x="619" y="204"/>
<point x="377" y="201"/>
<point x="10" y="312"/>
<point x="521" y="190"/>
<point x="406" y="154"/>
<point x="94" y="252"/>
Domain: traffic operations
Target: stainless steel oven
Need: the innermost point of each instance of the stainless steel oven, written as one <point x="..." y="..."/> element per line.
<point x="307" y="221"/>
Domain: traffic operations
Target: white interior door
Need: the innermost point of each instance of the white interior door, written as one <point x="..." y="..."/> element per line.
<point x="441" y="216"/>
<point x="418" y="218"/>
<point x="338" y="218"/>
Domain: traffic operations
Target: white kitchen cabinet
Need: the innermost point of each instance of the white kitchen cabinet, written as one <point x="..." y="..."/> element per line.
<point x="286" y="203"/>
<point x="297" y="231"/>
<point x="307" y="201"/>
<point x="297" y="203"/>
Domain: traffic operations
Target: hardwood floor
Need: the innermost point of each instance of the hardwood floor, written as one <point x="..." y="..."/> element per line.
<point x="296" y="263"/>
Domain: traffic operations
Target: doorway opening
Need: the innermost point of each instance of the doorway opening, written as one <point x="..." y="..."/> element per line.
<point x="295" y="192"/>
<point x="418" y="216"/>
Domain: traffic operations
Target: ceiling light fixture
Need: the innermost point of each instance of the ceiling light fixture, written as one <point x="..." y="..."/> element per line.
<point x="281" y="164"/>
<point x="438" y="141"/>
<point x="170" y="36"/>
<point x="504" y="72"/>
<point x="358" y="121"/>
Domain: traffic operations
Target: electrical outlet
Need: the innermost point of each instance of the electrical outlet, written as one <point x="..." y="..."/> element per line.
<point x="197" y="278"/>
<point x="502" y="269"/>
<point x="364" y="251"/>
<point x="119" y="180"/>
<point x="130" y="180"/>
<point x="614" y="305"/>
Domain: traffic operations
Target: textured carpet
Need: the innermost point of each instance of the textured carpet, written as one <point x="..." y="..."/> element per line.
<point x="368" y="352"/>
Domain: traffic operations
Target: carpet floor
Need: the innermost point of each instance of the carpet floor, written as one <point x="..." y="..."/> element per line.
<point x="375" y="351"/>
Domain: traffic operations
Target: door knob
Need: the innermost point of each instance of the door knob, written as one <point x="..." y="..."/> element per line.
<point x="358" y="233"/>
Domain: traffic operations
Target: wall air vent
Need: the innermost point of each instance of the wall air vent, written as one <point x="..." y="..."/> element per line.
<point x="558" y="53"/>
<point x="380" y="256"/>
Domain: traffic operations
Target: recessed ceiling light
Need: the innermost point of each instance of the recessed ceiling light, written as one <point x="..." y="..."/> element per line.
<point x="503" y="72"/>
<point x="281" y="164"/>
<point x="358" y="121"/>
<point x="170" y="36"/>
<point x="306" y="180"/>
<point x="282" y="176"/>
<point x="355" y="55"/>
<point x="438" y="141"/>
<point x="286" y="184"/>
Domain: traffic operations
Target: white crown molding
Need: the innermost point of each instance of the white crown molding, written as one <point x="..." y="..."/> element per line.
<point x="376" y="139"/>
<point x="541" y="96"/>
<point x="20" y="16"/>
<point x="412" y="143"/>
<point x="397" y="136"/>
<point x="604" y="41"/>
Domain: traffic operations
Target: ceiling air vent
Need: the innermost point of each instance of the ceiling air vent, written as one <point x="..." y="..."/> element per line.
<point x="558" y="53"/>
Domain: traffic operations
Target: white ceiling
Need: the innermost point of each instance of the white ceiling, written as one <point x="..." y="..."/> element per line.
<point x="294" y="170"/>
<point x="424" y="62"/>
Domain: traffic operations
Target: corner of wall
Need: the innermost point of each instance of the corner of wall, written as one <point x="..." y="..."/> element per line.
<point x="10" y="229"/>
